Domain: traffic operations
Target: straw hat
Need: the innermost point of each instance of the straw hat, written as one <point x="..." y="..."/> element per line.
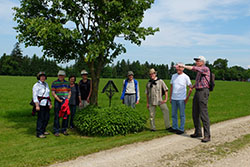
<point x="152" y="71"/>
<point x="130" y="73"/>
<point x="40" y="74"/>
<point x="84" y="72"/>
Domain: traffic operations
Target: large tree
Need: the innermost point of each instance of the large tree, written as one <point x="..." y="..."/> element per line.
<point x="69" y="29"/>
<point x="221" y="69"/>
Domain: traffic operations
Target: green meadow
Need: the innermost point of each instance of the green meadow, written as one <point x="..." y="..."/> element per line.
<point x="20" y="147"/>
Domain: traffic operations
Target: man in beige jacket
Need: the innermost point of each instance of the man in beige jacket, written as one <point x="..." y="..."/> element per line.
<point x="155" y="89"/>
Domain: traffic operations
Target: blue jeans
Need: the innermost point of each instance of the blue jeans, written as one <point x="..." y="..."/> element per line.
<point x="56" y="127"/>
<point x="178" y="104"/>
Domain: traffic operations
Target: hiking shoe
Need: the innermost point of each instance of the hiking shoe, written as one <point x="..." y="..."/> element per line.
<point x="46" y="133"/>
<point x="41" y="136"/>
<point x="195" y="135"/>
<point x="65" y="133"/>
<point x="179" y="132"/>
<point x="206" y="139"/>
<point x="170" y="129"/>
<point x="152" y="130"/>
<point x="57" y="134"/>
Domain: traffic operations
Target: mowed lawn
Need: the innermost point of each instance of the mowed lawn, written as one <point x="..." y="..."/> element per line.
<point x="20" y="147"/>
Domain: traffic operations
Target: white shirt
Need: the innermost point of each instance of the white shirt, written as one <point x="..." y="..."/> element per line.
<point x="42" y="90"/>
<point x="179" y="83"/>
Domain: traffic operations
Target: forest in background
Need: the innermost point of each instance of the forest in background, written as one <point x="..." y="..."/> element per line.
<point x="16" y="64"/>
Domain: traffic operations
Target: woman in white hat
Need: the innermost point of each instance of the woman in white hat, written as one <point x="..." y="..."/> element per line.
<point x="43" y="104"/>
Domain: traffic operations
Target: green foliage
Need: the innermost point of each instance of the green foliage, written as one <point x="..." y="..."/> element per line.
<point x="86" y="29"/>
<point x="109" y="121"/>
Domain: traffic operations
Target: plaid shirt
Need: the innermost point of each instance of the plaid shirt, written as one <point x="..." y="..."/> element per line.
<point x="202" y="82"/>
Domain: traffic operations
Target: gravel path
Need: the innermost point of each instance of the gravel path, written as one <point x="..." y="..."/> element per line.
<point x="173" y="150"/>
<point x="240" y="159"/>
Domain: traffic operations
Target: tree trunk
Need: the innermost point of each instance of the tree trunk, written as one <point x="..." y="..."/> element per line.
<point x="95" y="68"/>
<point x="95" y="87"/>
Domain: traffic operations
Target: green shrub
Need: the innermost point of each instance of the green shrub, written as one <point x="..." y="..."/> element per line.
<point x="109" y="121"/>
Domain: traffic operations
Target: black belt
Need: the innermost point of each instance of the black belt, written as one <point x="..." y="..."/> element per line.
<point x="42" y="98"/>
<point x="201" y="89"/>
<point x="129" y="94"/>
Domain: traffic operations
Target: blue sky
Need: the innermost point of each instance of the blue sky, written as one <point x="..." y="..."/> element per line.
<point x="188" y="28"/>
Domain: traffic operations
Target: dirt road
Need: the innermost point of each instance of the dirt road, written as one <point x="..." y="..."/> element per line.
<point x="176" y="150"/>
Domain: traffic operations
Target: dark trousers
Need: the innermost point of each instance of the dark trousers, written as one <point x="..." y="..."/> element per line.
<point x="72" y="115"/>
<point x="42" y="120"/>
<point x="57" y="107"/>
<point x="200" y="111"/>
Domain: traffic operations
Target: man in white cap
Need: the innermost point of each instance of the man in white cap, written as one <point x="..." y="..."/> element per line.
<point x="155" y="89"/>
<point x="85" y="86"/>
<point x="200" y="100"/>
<point x="61" y="91"/>
<point x="130" y="92"/>
<point x="179" y="97"/>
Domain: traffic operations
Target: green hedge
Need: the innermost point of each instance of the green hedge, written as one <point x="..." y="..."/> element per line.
<point x="109" y="121"/>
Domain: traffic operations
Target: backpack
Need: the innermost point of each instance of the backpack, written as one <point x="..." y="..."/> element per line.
<point x="211" y="83"/>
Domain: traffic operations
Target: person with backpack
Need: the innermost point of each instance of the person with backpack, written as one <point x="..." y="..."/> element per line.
<point x="43" y="104"/>
<point x="200" y="101"/>
<point x="155" y="89"/>
<point x="74" y="100"/>
<point x="130" y="93"/>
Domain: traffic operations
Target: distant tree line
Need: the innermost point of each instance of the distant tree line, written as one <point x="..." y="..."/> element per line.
<point x="119" y="70"/>
<point x="17" y="64"/>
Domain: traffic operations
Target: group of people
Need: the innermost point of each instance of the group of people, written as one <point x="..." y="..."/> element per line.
<point x="68" y="95"/>
<point x="79" y="94"/>
<point x="156" y="89"/>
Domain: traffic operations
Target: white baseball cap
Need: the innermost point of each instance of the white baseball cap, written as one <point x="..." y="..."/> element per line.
<point x="61" y="72"/>
<point x="201" y="58"/>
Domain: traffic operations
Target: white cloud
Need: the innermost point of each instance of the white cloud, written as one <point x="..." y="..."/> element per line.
<point x="6" y="12"/>
<point x="248" y="66"/>
<point x="184" y="23"/>
<point x="178" y="36"/>
<point x="6" y="17"/>
<point x="195" y="10"/>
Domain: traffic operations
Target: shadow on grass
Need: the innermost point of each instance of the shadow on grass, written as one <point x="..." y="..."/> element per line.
<point x="21" y="119"/>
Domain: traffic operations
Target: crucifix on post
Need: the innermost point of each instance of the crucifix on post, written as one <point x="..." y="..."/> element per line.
<point x="110" y="90"/>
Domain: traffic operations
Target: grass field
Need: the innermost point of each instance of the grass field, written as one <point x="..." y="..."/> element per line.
<point x="20" y="147"/>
